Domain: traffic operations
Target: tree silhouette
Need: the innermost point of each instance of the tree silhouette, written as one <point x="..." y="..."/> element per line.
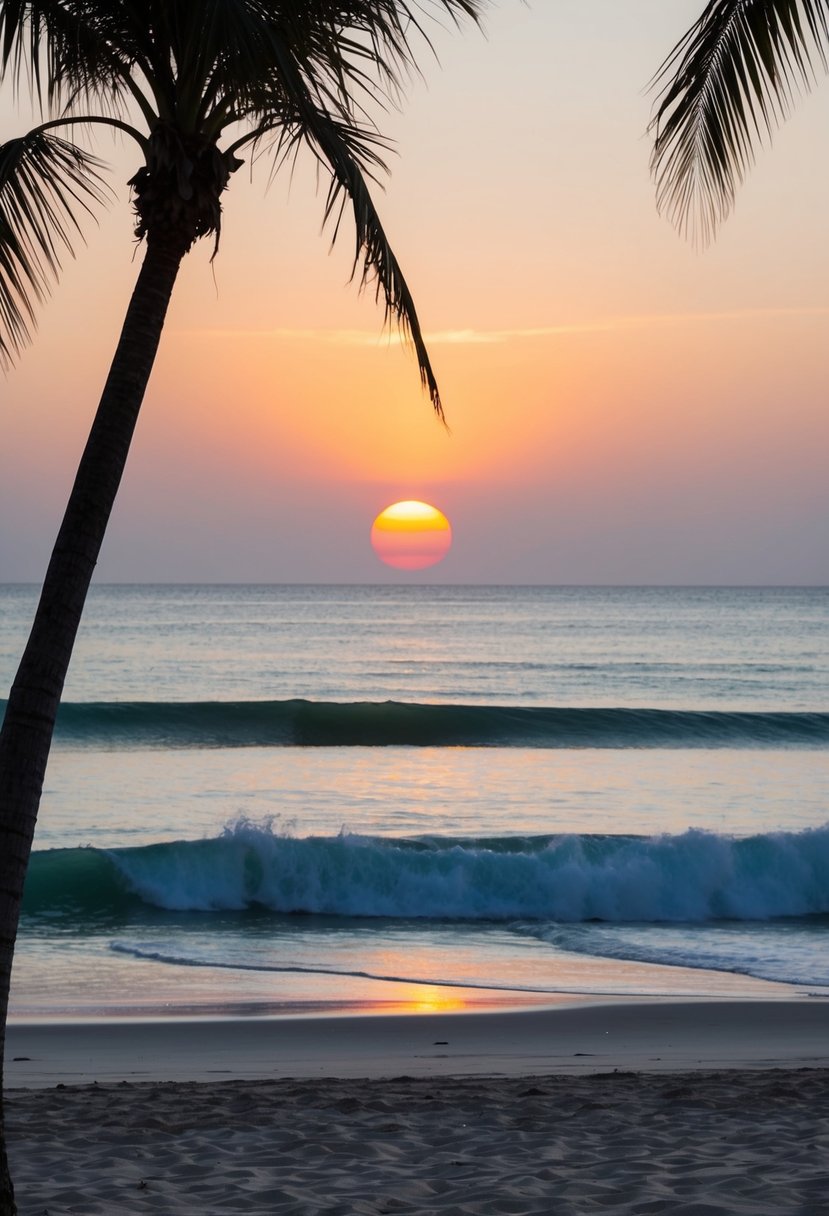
<point x="195" y="86"/>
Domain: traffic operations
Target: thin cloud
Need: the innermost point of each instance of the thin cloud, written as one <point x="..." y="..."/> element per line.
<point x="491" y="337"/>
<point x="472" y="337"/>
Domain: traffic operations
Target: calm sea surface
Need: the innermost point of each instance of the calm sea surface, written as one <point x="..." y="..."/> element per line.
<point x="285" y="799"/>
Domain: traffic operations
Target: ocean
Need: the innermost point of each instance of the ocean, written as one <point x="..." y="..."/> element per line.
<point x="271" y="800"/>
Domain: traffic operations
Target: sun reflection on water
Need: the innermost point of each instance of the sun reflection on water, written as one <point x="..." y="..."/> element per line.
<point x="435" y="1000"/>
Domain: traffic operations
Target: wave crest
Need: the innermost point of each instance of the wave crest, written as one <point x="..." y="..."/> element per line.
<point x="695" y="876"/>
<point x="300" y="723"/>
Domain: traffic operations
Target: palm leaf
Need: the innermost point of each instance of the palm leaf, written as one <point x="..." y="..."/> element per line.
<point x="83" y="51"/>
<point x="372" y="249"/>
<point x="310" y="99"/>
<point x="726" y="85"/>
<point x="45" y="182"/>
<point x="349" y="152"/>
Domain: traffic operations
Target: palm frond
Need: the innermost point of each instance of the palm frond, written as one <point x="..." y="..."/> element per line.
<point x="350" y="54"/>
<point x="45" y="182"/>
<point x="725" y="86"/>
<point x="69" y="52"/>
<point x="373" y="254"/>
<point x="326" y="59"/>
<point x="350" y="154"/>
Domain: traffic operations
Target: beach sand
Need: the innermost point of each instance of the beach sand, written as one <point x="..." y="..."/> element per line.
<point x="693" y="1108"/>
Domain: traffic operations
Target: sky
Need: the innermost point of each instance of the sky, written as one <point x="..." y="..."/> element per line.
<point x="623" y="408"/>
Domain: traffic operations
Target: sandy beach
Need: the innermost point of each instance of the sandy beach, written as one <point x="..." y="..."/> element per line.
<point x="692" y="1108"/>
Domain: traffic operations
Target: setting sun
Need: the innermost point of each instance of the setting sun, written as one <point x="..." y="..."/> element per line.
<point x="411" y="535"/>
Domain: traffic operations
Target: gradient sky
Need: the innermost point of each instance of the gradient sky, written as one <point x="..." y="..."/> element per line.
<point x="623" y="408"/>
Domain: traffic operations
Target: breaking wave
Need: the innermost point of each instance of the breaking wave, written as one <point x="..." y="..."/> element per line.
<point x="692" y="877"/>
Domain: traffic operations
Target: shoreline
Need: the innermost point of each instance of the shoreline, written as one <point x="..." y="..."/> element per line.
<point x="574" y="1037"/>
<point x="681" y="1107"/>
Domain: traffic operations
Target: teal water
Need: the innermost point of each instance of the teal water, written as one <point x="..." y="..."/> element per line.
<point x="284" y="798"/>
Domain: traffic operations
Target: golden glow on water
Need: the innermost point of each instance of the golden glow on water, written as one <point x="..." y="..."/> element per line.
<point x="436" y="1000"/>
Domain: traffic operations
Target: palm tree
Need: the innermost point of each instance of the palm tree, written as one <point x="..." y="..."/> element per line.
<point x="725" y="86"/>
<point x="194" y="85"/>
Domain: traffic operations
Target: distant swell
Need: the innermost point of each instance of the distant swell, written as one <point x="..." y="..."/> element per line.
<point x="369" y="724"/>
<point x="696" y="876"/>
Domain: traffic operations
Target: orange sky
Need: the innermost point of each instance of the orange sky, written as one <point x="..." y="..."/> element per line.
<point x="622" y="408"/>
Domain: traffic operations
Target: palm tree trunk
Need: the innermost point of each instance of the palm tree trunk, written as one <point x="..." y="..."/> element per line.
<point x="35" y="694"/>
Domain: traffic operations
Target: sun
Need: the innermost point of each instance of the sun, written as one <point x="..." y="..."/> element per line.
<point x="411" y="535"/>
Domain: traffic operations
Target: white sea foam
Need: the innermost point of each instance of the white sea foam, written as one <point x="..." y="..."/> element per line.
<point x="692" y="877"/>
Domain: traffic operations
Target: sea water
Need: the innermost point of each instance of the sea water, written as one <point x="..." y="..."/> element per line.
<point x="284" y="799"/>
